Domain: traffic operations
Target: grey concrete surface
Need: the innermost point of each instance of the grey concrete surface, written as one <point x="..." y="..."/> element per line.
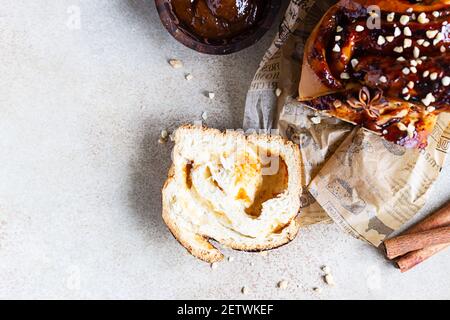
<point x="81" y="110"/>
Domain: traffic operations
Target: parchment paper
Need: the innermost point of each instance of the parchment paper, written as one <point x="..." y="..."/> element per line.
<point x="367" y="185"/>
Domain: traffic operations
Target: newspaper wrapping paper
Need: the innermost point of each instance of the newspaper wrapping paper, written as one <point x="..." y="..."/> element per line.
<point x="367" y="185"/>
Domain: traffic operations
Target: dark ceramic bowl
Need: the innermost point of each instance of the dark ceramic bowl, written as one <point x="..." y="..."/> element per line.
<point x="237" y="43"/>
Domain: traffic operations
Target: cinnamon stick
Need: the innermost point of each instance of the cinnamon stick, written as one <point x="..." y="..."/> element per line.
<point x="403" y="244"/>
<point x="411" y="259"/>
<point x="439" y="219"/>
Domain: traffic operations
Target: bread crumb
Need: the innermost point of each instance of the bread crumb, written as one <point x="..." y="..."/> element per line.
<point x="329" y="280"/>
<point x="283" y="284"/>
<point x="176" y="64"/>
<point x="211" y="95"/>
<point x="161" y="140"/>
<point x="245" y="290"/>
<point x="164" y="134"/>
<point x="189" y="77"/>
<point x="214" y="265"/>
<point x="230" y="259"/>
<point x="278" y="92"/>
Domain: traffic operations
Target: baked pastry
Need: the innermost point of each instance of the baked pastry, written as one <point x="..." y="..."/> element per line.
<point x="382" y="64"/>
<point x="241" y="191"/>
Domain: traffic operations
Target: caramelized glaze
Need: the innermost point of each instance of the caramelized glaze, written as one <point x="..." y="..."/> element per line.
<point x="406" y="59"/>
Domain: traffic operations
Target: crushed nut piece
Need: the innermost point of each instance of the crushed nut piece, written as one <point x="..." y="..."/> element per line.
<point x="211" y="95"/>
<point x="245" y="290"/>
<point x="189" y="77"/>
<point x="329" y="280"/>
<point x="214" y="265"/>
<point x="283" y="284"/>
<point x="176" y="64"/>
<point x="278" y="92"/>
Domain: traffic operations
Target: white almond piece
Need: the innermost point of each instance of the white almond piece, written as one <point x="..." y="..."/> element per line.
<point x="397" y="32"/>
<point x="431" y="109"/>
<point x="381" y="40"/>
<point x="406" y="71"/>
<point x="413" y="69"/>
<point x="336" y="48"/>
<point x="398" y="49"/>
<point x="390" y="38"/>
<point x="283" y="284"/>
<point x="409" y="10"/>
<point x="432" y="33"/>
<point x="337" y="38"/>
<point x="401" y="59"/>
<point x="433" y="76"/>
<point x="407" y="97"/>
<point x="390" y="17"/>
<point x="405" y="90"/>
<point x="413" y="63"/>
<point x="383" y="79"/>
<point x="422" y="18"/>
<point x="429" y="99"/>
<point x="404" y="20"/>
<point x="339" y="29"/>
<point x="426" y="73"/>
<point x="426" y="44"/>
<point x="439" y="37"/>
<point x="354" y="62"/>
<point x="359" y="28"/>
<point x="278" y="92"/>
<point x="420" y="42"/>
<point x="407" y="43"/>
<point x="442" y="49"/>
<point x="416" y="52"/>
<point x="345" y="76"/>
<point x="410" y="85"/>
<point x="436" y="14"/>
<point x="445" y="81"/>
<point x="407" y="32"/>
